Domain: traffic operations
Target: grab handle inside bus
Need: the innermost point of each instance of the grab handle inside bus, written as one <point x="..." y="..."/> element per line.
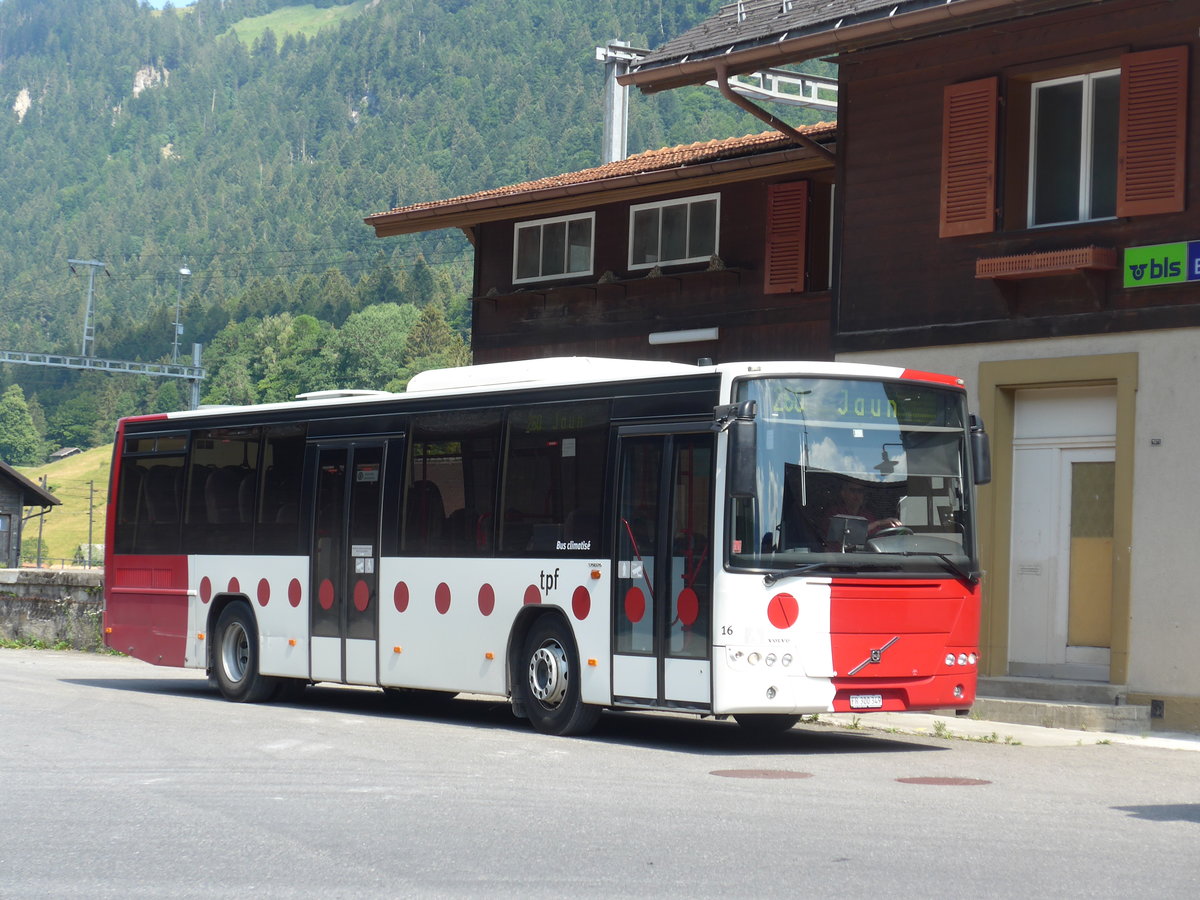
<point x="981" y="452"/>
<point x="738" y="420"/>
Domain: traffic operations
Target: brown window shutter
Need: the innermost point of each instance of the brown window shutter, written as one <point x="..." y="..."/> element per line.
<point x="787" y="237"/>
<point x="1152" y="150"/>
<point x="969" y="158"/>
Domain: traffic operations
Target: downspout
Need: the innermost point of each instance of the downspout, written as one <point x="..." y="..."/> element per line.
<point x="759" y="113"/>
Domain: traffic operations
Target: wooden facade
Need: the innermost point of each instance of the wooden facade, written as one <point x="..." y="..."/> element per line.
<point x="763" y="294"/>
<point x="614" y="311"/>
<point x="909" y="275"/>
<point x="16" y="494"/>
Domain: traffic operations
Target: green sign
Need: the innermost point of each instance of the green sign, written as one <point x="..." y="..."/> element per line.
<point x="1162" y="264"/>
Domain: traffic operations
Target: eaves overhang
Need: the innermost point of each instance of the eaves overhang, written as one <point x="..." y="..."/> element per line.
<point x="32" y="494"/>
<point x="876" y="26"/>
<point x="467" y="212"/>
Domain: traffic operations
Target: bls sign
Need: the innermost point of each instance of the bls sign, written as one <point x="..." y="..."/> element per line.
<point x="1162" y="264"/>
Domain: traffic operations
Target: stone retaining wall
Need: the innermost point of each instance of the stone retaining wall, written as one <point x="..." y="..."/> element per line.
<point x="57" y="607"/>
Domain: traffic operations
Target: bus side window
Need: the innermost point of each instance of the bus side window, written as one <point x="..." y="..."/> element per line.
<point x="450" y="489"/>
<point x="554" y="479"/>
<point x="277" y="521"/>
<point x="222" y="460"/>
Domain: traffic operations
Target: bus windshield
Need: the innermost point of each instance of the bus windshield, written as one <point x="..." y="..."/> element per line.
<point x="854" y="474"/>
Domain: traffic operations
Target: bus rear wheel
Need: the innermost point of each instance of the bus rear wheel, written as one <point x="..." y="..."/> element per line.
<point x="236" y="658"/>
<point x="551" y="681"/>
<point x="765" y="723"/>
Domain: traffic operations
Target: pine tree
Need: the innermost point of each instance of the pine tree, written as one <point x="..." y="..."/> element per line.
<point x="20" y="444"/>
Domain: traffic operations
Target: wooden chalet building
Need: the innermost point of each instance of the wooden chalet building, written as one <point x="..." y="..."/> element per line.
<point x="16" y="493"/>
<point x="1017" y="203"/>
<point x="717" y="250"/>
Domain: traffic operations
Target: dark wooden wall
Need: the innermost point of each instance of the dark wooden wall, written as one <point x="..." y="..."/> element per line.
<point x="902" y="285"/>
<point x="585" y="317"/>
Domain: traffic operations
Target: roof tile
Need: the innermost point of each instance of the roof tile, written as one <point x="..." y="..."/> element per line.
<point x="640" y="163"/>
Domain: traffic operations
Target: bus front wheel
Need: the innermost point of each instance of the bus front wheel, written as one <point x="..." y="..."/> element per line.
<point x="551" y="681"/>
<point x="236" y="658"/>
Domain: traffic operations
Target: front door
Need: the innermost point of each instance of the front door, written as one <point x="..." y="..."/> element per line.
<point x="662" y="602"/>
<point x="1060" y="592"/>
<point x="345" y="563"/>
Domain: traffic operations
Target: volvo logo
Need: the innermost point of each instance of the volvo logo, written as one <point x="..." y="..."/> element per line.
<point x="876" y="656"/>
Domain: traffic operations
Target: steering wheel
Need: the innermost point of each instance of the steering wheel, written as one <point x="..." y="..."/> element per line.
<point x="892" y="531"/>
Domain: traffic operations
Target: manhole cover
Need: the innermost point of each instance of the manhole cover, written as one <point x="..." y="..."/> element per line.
<point x="943" y="780"/>
<point x="760" y="773"/>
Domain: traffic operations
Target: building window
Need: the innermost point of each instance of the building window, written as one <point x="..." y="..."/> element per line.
<point x="675" y="231"/>
<point x="553" y="248"/>
<point x="1073" y="148"/>
<point x="1080" y="143"/>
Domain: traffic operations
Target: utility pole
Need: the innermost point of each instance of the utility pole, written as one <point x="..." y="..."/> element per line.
<point x="184" y="271"/>
<point x="91" y="509"/>
<point x="89" y="328"/>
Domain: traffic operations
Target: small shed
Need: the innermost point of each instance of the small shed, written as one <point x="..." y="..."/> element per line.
<point x="16" y="494"/>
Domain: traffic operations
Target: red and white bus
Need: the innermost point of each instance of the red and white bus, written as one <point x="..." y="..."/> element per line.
<point x="761" y="540"/>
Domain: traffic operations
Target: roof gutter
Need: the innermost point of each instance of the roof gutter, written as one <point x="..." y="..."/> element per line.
<point x="759" y="113"/>
<point x="833" y="38"/>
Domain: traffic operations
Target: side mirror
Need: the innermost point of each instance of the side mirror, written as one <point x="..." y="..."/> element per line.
<point x="981" y="452"/>
<point x="742" y="458"/>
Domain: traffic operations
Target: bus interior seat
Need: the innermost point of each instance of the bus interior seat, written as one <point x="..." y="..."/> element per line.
<point x="245" y="496"/>
<point x="221" y="495"/>
<point x="424" y="517"/>
<point x="466" y="532"/>
<point x="161" y="494"/>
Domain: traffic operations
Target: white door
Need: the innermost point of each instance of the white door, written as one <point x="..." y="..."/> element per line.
<point x="1060" y="578"/>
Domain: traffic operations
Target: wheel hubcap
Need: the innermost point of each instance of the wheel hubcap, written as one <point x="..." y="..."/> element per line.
<point x="548" y="673"/>
<point x="235" y="652"/>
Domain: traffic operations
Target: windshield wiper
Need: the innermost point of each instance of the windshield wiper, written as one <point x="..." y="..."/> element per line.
<point x="772" y="577"/>
<point x="863" y="562"/>
<point x="970" y="579"/>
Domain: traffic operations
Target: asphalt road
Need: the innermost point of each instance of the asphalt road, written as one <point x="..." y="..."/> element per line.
<point x="121" y="779"/>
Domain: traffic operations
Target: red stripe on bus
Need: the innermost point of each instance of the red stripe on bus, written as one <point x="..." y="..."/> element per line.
<point x="936" y="378"/>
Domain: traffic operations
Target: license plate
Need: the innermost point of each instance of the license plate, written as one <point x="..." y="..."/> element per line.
<point x="866" y="701"/>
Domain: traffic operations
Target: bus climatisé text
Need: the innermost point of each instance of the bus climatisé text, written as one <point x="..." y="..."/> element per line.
<point x="757" y="540"/>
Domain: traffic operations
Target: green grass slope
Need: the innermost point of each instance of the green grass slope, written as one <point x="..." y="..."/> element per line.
<point x="78" y="481"/>
<point x="304" y="19"/>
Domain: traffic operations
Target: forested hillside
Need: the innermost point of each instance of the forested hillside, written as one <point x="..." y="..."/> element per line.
<point x="244" y="141"/>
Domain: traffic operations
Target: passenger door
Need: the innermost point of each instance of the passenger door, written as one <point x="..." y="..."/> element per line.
<point x="344" y="593"/>
<point x="662" y="600"/>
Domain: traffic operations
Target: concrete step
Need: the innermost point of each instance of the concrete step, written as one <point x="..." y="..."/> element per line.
<point x="1123" y="719"/>
<point x="1052" y="703"/>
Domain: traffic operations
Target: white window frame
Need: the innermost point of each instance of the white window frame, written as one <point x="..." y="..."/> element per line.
<point x="683" y="201"/>
<point x="540" y="224"/>
<point x="1086" y="149"/>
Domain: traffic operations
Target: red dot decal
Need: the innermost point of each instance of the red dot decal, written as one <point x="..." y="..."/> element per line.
<point x="205" y="589"/>
<point x="687" y="607"/>
<point x="325" y="594"/>
<point x="234" y="586"/>
<point x="532" y="595"/>
<point x="783" y="610"/>
<point x="581" y="603"/>
<point x="635" y="604"/>
<point x="264" y="592"/>
<point x="295" y="592"/>
<point x="400" y="596"/>
<point x="362" y="596"/>
<point x="487" y="599"/>
<point x="441" y="598"/>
